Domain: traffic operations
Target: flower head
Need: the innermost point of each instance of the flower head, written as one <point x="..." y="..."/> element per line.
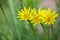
<point x="25" y="14"/>
<point x="35" y="17"/>
<point x="49" y="17"/>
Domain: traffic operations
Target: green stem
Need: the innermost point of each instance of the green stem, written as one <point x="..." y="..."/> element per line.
<point x="52" y="29"/>
<point x="32" y="29"/>
<point x="43" y="27"/>
<point x="21" y="4"/>
<point x="5" y="18"/>
<point x="49" y="33"/>
<point x="3" y="12"/>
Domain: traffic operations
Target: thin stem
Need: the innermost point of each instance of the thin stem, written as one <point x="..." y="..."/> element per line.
<point x="21" y="4"/>
<point x="49" y="33"/>
<point x="6" y="20"/>
<point x="32" y="29"/>
<point x="3" y="12"/>
<point x="52" y="29"/>
<point x="42" y="27"/>
<point x="22" y="23"/>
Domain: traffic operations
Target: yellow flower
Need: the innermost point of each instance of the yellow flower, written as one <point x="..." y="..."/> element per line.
<point x="25" y="14"/>
<point x="36" y="17"/>
<point x="48" y="16"/>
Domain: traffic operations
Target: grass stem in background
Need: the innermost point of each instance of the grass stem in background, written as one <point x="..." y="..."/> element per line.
<point x="21" y="4"/>
<point x="3" y="12"/>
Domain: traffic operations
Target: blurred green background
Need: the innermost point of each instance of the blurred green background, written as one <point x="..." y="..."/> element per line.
<point x="11" y="28"/>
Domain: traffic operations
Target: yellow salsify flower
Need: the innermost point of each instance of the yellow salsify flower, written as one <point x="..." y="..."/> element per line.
<point x="48" y="16"/>
<point x="25" y="14"/>
<point x="35" y="17"/>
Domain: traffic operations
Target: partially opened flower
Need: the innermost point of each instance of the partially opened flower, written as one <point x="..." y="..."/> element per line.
<point x="25" y="14"/>
<point x="49" y="17"/>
